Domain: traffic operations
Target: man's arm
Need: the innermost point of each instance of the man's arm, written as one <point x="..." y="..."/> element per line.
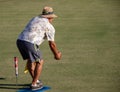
<point x="55" y="51"/>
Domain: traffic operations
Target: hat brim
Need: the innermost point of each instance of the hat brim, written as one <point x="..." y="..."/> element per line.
<point x="49" y="16"/>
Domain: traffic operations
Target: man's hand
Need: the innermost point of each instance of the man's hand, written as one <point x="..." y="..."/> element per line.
<point x="53" y="47"/>
<point x="58" y="56"/>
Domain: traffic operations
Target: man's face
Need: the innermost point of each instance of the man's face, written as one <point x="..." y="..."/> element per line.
<point x="50" y="20"/>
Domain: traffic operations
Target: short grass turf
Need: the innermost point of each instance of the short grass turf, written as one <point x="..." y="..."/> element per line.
<point x="87" y="34"/>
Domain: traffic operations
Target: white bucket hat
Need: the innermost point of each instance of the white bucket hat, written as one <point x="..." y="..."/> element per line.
<point x="48" y="12"/>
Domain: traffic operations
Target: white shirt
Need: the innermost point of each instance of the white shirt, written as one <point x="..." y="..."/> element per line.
<point x="37" y="30"/>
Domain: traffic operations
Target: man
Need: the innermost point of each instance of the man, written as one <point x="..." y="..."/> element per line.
<point x="37" y="30"/>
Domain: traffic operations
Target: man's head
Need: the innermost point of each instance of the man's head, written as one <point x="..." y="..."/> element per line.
<point x="48" y="12"/>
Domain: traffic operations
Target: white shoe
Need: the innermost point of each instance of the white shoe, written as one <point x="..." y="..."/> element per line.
<point x="36" y="87"/>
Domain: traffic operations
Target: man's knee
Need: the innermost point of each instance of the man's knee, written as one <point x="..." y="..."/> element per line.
<point x="40" y="63"/>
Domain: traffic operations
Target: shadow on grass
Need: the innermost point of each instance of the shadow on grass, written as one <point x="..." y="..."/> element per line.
<point x="13" y="86"/>
<point x="21" y="87"/>
<point x="2" y="78"/>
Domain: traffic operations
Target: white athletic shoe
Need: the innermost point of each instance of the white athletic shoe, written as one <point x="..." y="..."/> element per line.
<point x="36" y="87"/>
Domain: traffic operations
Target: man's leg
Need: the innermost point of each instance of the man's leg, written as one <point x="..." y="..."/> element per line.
<point x="31" y="68"/>
<point x="35" y="69"/>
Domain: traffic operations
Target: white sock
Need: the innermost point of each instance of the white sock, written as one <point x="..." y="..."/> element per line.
<point x="38" y="81"/>
<point x="34" y="85"/>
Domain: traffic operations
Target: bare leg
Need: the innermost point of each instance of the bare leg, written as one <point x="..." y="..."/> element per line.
<point x="35" y="69"/>
<point x="31" y="67"/>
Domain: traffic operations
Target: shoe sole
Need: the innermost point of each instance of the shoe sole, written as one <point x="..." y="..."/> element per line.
<point x="37" y="88"/>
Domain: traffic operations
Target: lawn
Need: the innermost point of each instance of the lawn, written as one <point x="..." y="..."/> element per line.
<point x="87" y="34"/>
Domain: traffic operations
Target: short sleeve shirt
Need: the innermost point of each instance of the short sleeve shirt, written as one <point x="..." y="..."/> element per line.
<point x="37" y="30"/>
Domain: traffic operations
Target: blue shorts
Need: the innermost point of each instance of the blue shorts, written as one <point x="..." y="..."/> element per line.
<point x="29" y="51"/>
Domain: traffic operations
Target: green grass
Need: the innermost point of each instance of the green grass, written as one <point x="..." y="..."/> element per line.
<point x="87" y="34"/>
